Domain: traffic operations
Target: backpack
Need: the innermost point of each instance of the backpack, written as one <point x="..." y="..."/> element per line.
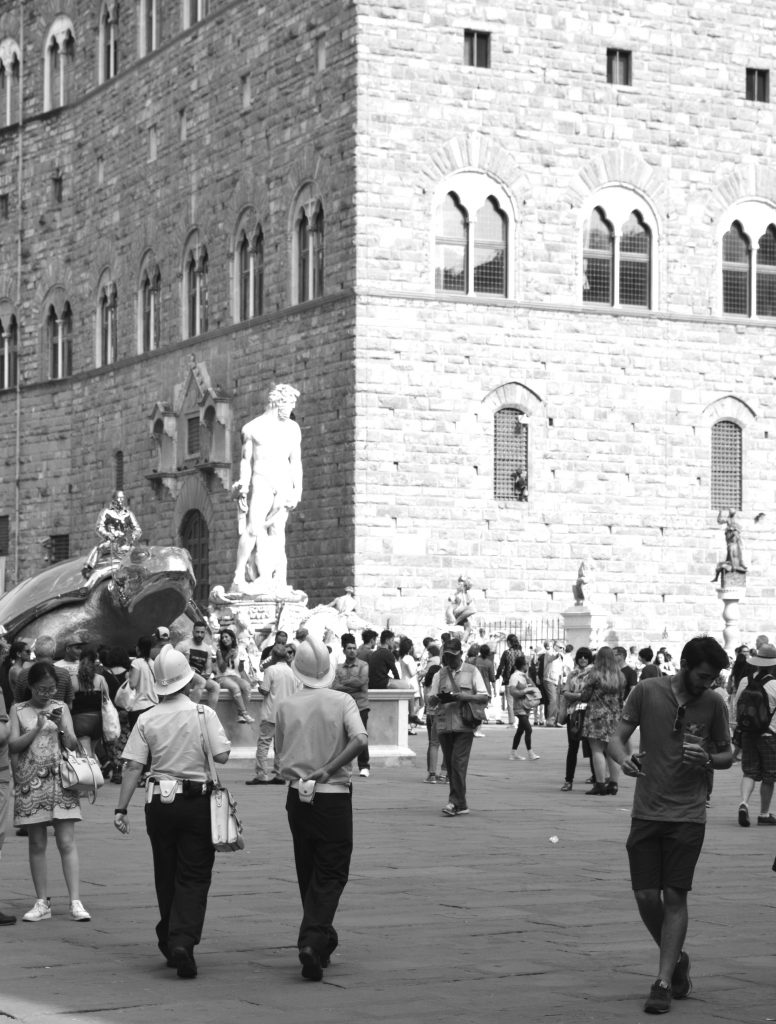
<point x="753" y="710"/>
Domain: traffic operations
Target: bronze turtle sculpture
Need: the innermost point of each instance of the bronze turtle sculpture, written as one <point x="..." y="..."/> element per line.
<point x="120" y="600"/>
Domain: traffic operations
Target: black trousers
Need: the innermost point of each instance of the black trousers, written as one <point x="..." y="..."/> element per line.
<point x="323" y="843"/>
<point x="183" y="853"/>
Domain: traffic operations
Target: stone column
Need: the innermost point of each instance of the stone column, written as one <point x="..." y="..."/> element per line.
<point x="730" y="597"/>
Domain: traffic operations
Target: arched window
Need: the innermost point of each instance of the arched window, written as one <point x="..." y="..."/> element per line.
<point x="451" y="273"/>
<point x="490" y="250"/>
<point x="619" y="234"/>
<point x="726" y="465"/>
<point x="250" y="274"/>
<point x="195" y="537"/>
<point x="471" y="236"/>
<point x="510" y="455"/>
<point x="303" y="270"/>
<point x="308" y="245"/>
<point x="598" y="256"/>
<point x="107" y="324"/>
<point x="59" y="337"/>
<point x="108" y="50"/>
<point x="59" y="54"/>
<point x="9" y="353"/>
<point x="195" y="279"/>
<point x="316" y="254"/>
<point x="147" y="26"/>
<point x="462" y="244"/>
<point x="10" y="66"/>
<point x="736" y="269"/>
<point x="766" y="273"/>
<point x="149" y="305"/>
<point x="634" y="263"/>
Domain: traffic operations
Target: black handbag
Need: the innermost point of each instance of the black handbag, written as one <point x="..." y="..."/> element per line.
<point x="576" y="720"/>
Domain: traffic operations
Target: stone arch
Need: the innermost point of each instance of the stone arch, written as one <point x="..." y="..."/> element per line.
<point x="748" y="182"/>
<point x="729" y="408"/>
<point x="618" y="167"/>
<point x="193" y="495"/>
<point x="477" y="152"/>
<point x="513" y="394"/>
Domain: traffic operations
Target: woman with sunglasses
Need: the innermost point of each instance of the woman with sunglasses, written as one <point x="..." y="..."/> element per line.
<point x="40" y="727"/>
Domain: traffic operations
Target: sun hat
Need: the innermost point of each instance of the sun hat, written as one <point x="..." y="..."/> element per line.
<point x="766" y="655"/>
<point x="162" y="633"/>
<point x="312" y="664"/>
<point x="172" y="671"/>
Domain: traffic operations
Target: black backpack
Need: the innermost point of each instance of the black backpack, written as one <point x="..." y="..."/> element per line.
<point x="753" y="710"/>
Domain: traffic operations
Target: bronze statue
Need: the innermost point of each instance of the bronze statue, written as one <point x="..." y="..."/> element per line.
<point x="118" y="530"/>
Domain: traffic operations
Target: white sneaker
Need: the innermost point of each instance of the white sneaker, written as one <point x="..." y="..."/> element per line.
<point x="532" y="756"/>
<point x="245" y="719"/>
<point x="41" y="911"/>
<point x="364" y="773"/>
<point x="78" y="911"/>
<point x="513" y="757"/>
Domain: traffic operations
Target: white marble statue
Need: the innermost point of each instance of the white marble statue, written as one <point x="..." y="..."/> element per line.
<point x="269" y="486"/>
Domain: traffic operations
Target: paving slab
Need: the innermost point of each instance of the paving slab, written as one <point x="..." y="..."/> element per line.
<point x="477" y="918"/>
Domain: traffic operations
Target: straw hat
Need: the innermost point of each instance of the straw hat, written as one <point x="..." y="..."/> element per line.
<point x="312" y="664"/>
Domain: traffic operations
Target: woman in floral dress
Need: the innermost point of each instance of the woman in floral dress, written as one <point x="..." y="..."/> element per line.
<point x="603" y="695"/>
<point x="40" y="727"/>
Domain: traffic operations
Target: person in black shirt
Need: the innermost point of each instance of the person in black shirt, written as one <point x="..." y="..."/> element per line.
<point x="382" y="662"/>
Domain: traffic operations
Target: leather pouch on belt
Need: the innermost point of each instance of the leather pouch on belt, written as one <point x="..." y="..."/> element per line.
<point x="167" y="789"/>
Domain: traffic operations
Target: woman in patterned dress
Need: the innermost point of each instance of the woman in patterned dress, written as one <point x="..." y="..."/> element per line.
<point x="40" y="727"/>
<point x="603" y="695"/>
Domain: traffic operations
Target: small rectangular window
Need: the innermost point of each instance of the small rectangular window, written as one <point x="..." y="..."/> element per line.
<point x="476" y="48"/>
<point x="100" y="171"/>
<point x="192" y="436"/>
<point x="320" y="54"/>
<point x="183" y="125"/>
<point x="59" y="547"/>
<point x="56" y="187"/>
<point x="4" y="206"/>
<point x="152" y="143"/>
<point x="758" y="85"/>
<point x="5" y="536"/>
<point x="618" y="67"/>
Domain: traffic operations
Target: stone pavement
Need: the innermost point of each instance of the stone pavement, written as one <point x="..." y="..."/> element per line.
<point x="478" y="918"/>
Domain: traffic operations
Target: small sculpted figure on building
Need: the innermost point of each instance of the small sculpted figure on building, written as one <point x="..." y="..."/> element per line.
<point x="734" y="558"/>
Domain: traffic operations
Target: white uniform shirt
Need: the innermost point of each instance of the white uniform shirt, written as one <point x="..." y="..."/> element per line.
<point x="170" y="733"/>
<point x="312" y="727"/>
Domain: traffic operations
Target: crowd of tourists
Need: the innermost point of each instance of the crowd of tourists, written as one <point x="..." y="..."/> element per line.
<point x="314" y="713"/>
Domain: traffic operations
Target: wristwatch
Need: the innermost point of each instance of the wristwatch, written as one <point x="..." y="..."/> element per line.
<point x="709" y="763"/>
<point x="121" y="810"/>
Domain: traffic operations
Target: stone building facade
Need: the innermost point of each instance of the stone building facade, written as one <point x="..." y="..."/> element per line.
<point x="542" y="240"/>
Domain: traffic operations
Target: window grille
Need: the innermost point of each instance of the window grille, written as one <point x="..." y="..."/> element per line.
<point x="59" y="547"/>
<point x="766" y="273"/>
<point x="726" y="465"/>
<point x="245" y="279"/>
<point x="598" y="250"/>
<point x="634" y="262"/>
<point x="195" y="537"/>
<point x="618" y="67"/>
<point x="490" y="248"/>
<point x="758" y="85"/>
<point x="192" y="436"/>
<point x="303" y="238"/>
<point x="258" y="276"/>
<point x="317" y="241"/>
<point x="735" y="271"/>
<point x="9" y="353"/>
<point x="5" y="536"/>
<point x="510" y="455"/>
<point x="118" y="475"/>
<point x="476" y="48"/>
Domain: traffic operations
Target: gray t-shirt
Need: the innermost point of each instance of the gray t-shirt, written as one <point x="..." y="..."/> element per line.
<point x="670" y="790"/>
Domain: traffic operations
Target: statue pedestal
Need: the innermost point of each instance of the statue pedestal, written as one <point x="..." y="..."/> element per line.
<point x="730" y="597"/>
<point x="579" y="625"/>
<point x="259" y="614"/>
<point x="387" y="726"/>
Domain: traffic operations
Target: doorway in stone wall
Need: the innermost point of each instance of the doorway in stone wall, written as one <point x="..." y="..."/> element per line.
<point x="195" y="537"/>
